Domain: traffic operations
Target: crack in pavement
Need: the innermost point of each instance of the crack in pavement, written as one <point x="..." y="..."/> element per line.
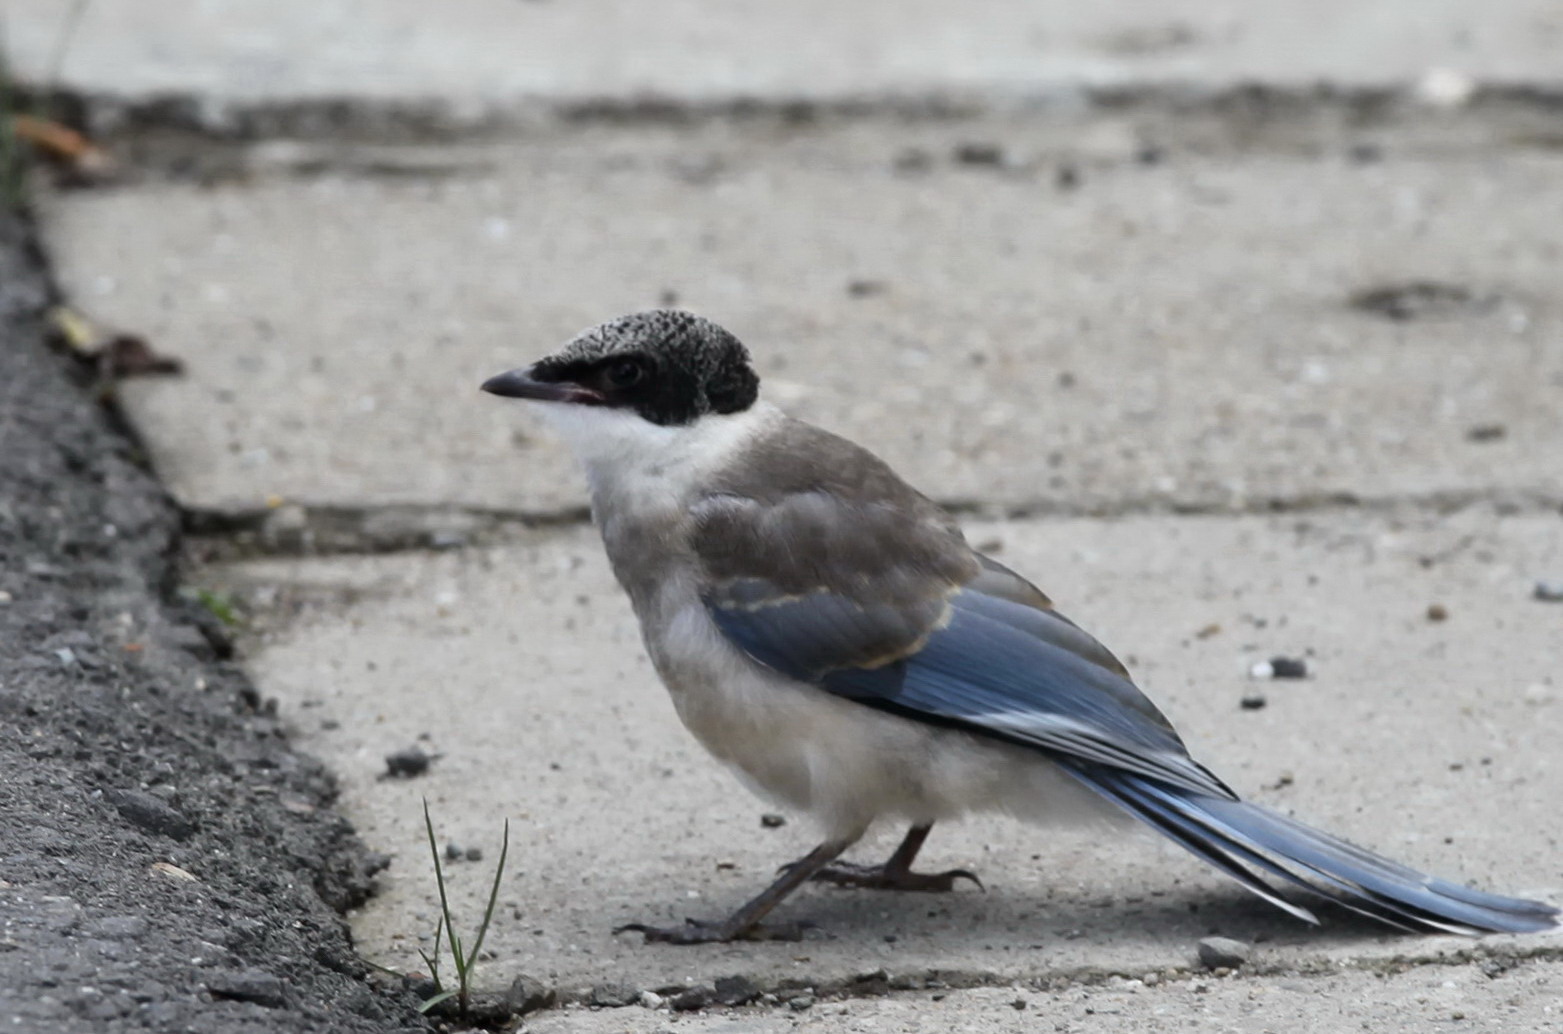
<point x="1495" y="959"/>
<point x="294" y="530"/>
<point x="192" y="139"/>
<point x="440" y="120"/>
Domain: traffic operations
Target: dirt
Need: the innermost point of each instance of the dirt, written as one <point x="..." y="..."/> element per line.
<point x="167" y="861"/>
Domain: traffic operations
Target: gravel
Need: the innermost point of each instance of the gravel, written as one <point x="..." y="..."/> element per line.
<point x="1219" y="952"/>
<point x="156" y="877"/>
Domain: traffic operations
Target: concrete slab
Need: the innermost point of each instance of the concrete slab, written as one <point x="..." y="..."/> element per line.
<point x="1433" y="741"/>
<point x="1179" y="334"/>
<point x="482" y="54"/>
<point x="1463" y="998"/>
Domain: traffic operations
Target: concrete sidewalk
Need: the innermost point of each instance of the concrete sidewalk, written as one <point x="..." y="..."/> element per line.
<point x="1230" y="376"/>
<point x="521" y="666"/>
<point x="479" y="58"/>
<point x="1211" y="333"/>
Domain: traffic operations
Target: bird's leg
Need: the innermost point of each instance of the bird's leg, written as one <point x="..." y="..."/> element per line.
<point x="744" y="924"/>
<point x="895" y="874"/>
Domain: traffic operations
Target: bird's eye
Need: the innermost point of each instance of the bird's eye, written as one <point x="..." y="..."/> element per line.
<point x="625" y="373"/>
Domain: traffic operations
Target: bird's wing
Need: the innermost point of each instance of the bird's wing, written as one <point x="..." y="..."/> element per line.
<point x="874" y="596"/>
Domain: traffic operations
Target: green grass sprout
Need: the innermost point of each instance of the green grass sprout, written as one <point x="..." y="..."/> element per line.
<point x="463" y="958"/>
<point x="221" y="606"/>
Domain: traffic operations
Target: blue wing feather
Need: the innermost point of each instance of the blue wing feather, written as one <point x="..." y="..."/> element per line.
<point x="984" y="663"/>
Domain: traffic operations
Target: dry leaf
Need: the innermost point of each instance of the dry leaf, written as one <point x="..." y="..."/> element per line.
<point x="63" y="145"/>
<point x="116" y="355"/>
<point x="173" y="871"/>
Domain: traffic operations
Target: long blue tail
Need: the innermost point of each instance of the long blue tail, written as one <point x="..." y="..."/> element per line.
<point x="1238" y="838"/>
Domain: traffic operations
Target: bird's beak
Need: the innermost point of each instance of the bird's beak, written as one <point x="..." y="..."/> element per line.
<point x="521" y="384"/>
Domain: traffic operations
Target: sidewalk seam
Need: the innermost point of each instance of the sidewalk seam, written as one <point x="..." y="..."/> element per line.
<point x="306" y="530"/>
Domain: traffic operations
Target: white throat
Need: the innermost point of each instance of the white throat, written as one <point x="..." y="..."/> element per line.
<point x="631" y="461"/>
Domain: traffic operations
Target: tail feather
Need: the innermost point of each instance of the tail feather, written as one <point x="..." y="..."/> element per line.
<point x="1233" y="835"/>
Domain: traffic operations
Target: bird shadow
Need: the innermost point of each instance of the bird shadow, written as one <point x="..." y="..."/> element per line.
<point x="1013" y="918"/>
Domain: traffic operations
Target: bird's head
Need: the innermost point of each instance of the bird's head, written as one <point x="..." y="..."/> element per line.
<point x="663" y="367"/>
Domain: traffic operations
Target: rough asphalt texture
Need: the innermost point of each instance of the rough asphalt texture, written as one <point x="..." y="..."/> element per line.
<point x="167" y="863"/>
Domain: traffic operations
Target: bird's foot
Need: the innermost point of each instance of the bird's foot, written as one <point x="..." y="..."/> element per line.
<point x="883" y="877"/>
<point x="720" y="931"/>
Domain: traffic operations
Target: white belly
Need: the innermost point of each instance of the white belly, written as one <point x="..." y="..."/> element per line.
<point x="844" y="763"/>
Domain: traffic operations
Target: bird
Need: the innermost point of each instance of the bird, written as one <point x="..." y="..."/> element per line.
<point x="826" y="630"/>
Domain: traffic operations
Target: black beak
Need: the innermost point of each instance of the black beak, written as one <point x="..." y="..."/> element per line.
<point x="520" y="384"/>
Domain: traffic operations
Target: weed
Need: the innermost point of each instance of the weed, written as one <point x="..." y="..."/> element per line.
<point x="13" y="167"/>
<point x="463" y="957"/>
<point x="221" y="606"/>
<point x="15" y="101"/>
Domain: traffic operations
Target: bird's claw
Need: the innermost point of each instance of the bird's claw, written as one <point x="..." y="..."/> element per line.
<point x="878" y="877"/>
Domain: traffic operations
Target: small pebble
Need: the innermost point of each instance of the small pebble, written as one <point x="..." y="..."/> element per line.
<point x="1437" y="612"/>
<point x="1253" y="701"/>
<point x="474" y="854"/>
<point x="1151" y="979"/>
<point x="736" y="990"/>
<point x="1219" y="952"/>
<point x="651" y="1000"/>
<point x="979" y="153"/>
<point x="1018" y="1004"/>
<point x="407" y="763"/>
<point x="453" y="851"/>
<point x="1280" y="668"/>
<point x="1549" y="592"/>
<point x="614" y="996"/>
<point x="1486" y="433"/>
<point x="697" y="997"/>
<point x="146" y="811"/>
<point x="528" y="994"/>
<point x="174" y="872"/>
<point x="771" y="820"/>
<point x="1538" y="693"/>
<point x="249" y="985"/>
<point x="447" y="539"/>
<point x="801" y="1003"/>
